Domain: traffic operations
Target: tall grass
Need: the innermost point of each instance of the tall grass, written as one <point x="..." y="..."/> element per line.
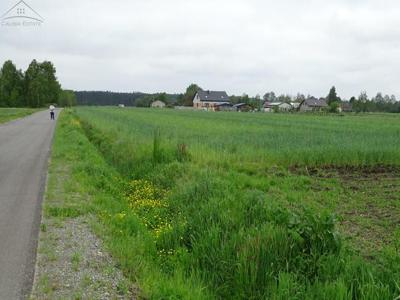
<point x="259" y="138"/>
<point x="229" y="221"/>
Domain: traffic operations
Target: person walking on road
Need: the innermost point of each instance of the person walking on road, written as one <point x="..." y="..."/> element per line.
<point x="52" y="114"/>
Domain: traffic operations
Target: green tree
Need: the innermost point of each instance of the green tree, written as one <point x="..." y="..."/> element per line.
<point x="67" y="98"/>
<point x="145" y="101"/>
<point x="179" y="100"/>
<point x="284" y="98"/>
<point x="378" y="98"/>
<point x="190" y="93"/>
<point x="163" y="97"/>
<point x="334" y="107"/>
<point x="332" y="96"/>
<point x="52" y="86"/>
<point x="41" y="85"/>
<point x="34" y="83"/>
<point x="299" y="98"/>
<point x="11" y="89"/>
<point x="258" y="103"/>
<point x="270" y="97"/>
<point x="363" y="97"/>
<point x="245" y="99"/>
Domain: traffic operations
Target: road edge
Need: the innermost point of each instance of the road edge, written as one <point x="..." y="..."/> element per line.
<point x="30" y="264"/>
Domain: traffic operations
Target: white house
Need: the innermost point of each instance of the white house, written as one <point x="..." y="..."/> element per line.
<point x="210" y="100"/>
<point x="295" y="105"/>
<point x="158" y="104"/>
<point x="277" y="106"/>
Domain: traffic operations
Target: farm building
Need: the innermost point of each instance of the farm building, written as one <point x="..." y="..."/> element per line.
<point x="158" y="104"/>
<point x="241" y="107"/>
<point x="295" y="105"/>
<point x="209" y="100"/>
<point x="268" y="107"/>
<point x="277" y="106"/>
<point x="345" y="107"/>
<point x="223" y="106"/>
<point x="313" y="104"/>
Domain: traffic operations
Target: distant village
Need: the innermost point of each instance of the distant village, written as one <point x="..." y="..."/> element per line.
<point x="220" y="101"/>
<point x="196" y="98"/>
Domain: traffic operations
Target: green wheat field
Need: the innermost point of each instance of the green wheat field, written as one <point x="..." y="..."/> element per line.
<point x="197" y="205"/>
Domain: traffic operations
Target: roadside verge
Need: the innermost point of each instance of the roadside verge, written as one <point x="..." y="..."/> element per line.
<point x="72" y="261"/>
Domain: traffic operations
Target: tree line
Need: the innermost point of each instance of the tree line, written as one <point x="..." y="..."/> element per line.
<point x="36" y="87"/>
<point x="108" y="98"/>
<point x="379" y="103"/>
<point x="136" y="98"/>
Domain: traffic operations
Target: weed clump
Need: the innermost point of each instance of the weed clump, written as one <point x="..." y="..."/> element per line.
<point x="182" y="152"/>
<point x="157" y="151"/>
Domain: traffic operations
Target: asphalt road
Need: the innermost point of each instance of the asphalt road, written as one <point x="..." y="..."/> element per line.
<point x="24" y="150"/>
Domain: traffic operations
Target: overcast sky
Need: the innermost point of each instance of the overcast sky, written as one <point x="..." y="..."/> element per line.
<point x="251" y="46"/>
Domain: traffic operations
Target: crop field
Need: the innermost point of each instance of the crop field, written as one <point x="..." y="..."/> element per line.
<point x="197" y="205"/>
<point x="8" y="114"/>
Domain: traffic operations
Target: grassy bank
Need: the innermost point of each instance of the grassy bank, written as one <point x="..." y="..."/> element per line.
<point x="94" y="190"/>
<point x="71" y="260"/>
<point x="8" y="114"/>
<point x="210" y="206"/>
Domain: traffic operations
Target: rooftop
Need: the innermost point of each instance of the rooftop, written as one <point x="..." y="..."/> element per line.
<point x="213" y="96"/>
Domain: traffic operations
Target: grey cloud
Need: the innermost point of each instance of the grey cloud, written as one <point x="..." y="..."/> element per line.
<point x="241" y="46"/>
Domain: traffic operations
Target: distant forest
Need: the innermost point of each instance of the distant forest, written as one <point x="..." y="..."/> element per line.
<point x="128" y="99"/>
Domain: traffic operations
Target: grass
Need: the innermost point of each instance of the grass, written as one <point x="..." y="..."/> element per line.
<point x="64" y="264"/>
<point x="9" y="114"/>
<point x="198" y="205"/>
<point x="273" y="139"/>
<point x="76" y="260"/>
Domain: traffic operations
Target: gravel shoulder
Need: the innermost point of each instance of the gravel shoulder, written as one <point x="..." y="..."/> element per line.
<point x="72" y="262"/>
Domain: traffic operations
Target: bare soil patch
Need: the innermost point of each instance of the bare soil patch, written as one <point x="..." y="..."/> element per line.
<point x="349" y="172"/>
<point x="368" y="205"/>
